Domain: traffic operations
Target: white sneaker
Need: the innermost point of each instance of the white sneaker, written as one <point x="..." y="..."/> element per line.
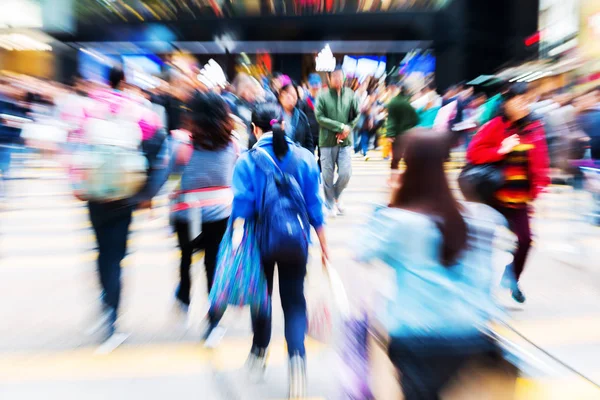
<point x="256" y="365"/>
<point x="214" y="337"/>
<point x="112" y="343"/>
<point x="297" y="371"/>
<point x="329" y="213"/>
<point x="339" y="208"/>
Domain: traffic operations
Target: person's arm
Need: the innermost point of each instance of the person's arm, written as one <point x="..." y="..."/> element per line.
<point x="356" y="107"/>
<point x="308" y="143"/>
<point x="411" y="118"/>
<point x="375" y="238"/>
<point x="244" y="197"/>
<point x="158" y="174"/>
<point x="486" y="143"/>
<point x="323" y="120"/>
<point x="314" y="204"/>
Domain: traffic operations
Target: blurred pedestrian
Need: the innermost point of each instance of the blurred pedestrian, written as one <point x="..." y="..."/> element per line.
<point x="241" y="102"/>
<point x="441" y="252"/>
<point x="401" y="117"/>
<point x="111" y="219"/>
<point x="337" y="113"/>
<point x="249" y="185"/>
<point x="365" y="126"/>
<point x="308" y="107"/>
<point x="516" y="141"/>
<point x="202" y="205"/>
<point x="296" y="124"/>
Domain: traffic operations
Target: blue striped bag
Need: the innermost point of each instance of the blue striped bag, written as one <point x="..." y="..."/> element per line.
<point x="239" y="277"/>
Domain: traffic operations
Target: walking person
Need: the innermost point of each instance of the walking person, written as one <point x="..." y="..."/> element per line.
<point x="275" y="152"/>
<point x="365" y="126"/>
<point x="516" y="142"/>
<point x="337" y="113"/>
<point x="401" y="117"/>
<point x="308" y="107"/>
<point x="111" y="219"/>
<point x="441" y="252"/>
<point x="241" y="102"/>
<point x="203" y="202"/>
<point x="297" y="126"/>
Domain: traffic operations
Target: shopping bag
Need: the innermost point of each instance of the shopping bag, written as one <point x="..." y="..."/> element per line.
<point x="327" y="303"/>
<point x="354" y="368"/>
<point x="239" y="278"/>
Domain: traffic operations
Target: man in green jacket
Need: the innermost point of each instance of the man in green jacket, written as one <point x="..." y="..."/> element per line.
<point x="401" y="117"/>
<point x="337" y="112"/>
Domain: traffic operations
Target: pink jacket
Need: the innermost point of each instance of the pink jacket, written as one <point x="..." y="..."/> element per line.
<point x="113" y="101"/>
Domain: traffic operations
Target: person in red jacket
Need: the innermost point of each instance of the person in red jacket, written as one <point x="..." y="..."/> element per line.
<point x="517" y="142"/>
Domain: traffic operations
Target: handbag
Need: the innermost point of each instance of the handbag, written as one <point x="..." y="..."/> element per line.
<point x="239" y="278"/>
<point x="479" y="182"/>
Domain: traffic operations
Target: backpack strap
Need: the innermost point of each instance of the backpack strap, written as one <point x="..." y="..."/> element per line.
<point x="266" y="162"/>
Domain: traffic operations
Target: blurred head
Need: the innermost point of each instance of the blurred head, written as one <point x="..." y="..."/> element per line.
<point x="209" y="121"/>
<point x="478" y="100"/>
<point x="516" y="102"/>
<point x="266" y="118"/>
<point x="314" y="82"/>
<point x="288" y="97"/>
<point x="245" y="88"/>
<point x="425" y="189"/>
<point x="276" y="83"/>
<point x="451" y="92"/>
<point x="336" y="79"/>
<point x="116" y="77"/>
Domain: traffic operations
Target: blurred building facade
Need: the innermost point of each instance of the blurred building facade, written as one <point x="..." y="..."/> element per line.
<point x="467" y="37"/>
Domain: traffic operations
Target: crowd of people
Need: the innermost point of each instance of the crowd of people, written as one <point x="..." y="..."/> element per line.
<point x="235" y="147"/>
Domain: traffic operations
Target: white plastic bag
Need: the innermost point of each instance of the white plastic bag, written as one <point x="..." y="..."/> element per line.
<point x="327" y="303"/>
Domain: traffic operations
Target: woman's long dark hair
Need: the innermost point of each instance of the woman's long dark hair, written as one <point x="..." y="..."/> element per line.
<point x="211" y="124"/>
<point x="425" y="189"/>
<point x="267" y="117"/>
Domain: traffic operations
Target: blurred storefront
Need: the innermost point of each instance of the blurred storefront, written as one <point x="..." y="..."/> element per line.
<point x="466" y="37"/>
<point x="589" y="41"/>
<point x="26" y="42"/>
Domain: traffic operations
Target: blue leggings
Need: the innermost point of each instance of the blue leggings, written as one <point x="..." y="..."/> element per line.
<point x="291" y="291"/>
<point x="364" y="142"/>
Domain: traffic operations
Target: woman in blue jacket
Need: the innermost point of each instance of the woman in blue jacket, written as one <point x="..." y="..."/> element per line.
<point x="441" y="252"/>
<point x="249" y="182"/>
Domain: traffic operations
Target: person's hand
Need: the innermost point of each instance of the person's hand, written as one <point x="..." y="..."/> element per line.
<point x="509" y="144"/>
<point x="325" y="257"/>
<point x="346" y="131"/>
<point x="324" y="247"/>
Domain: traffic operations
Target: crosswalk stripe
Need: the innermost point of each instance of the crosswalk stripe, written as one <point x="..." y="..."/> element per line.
<point x="128" y="362"/>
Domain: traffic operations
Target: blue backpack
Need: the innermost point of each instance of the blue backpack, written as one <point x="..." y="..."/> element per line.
<point x="283" y="227"/>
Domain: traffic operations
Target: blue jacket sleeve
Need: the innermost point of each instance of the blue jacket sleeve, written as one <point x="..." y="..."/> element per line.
<point x="312" y="196"/>
<point x="244" y="196"/>
<point x="374" y="241"/>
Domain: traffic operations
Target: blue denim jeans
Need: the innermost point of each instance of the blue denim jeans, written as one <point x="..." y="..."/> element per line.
<point x="5" y="151"/>
<point x="111" y="226"/>
<point x="364" y="142"/>
<point x="291" y="290"/>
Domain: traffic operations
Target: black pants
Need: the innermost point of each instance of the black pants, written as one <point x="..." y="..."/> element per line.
<point x="518" y="222"/>
<point x="111" y="226"/>
<point x="209" y="241"/>
<point x="426" y="368"/>
<point x="291" y="290"/>
<point x="397" y="151"/>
